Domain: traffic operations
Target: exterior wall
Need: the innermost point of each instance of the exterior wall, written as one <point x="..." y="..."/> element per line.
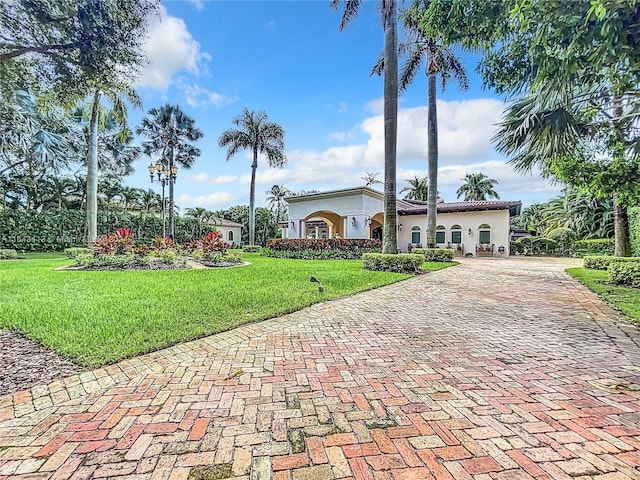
<point x="237" y="233"/>
<point x="351" y="212"/>
<point x="497" y="219"/>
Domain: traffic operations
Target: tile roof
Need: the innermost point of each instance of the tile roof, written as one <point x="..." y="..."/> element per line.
<point x="415" y="207"/>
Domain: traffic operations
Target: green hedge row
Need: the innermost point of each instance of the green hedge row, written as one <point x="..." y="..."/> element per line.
<point x="625" y="273"/>
<point x="634" y="230"/>
<point x="53" y="230"/>
<point x="435" y="254"/>
<point x="293" y="244"/>
<point x="313" y="254"/>
<point x="400" y="263"/>
<point x="602" y="262"/>
<point x="594" y="246"/>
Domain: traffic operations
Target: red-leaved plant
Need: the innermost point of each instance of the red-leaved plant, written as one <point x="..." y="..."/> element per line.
<point x="166" y="243"/>
<point x="118" y="243"/>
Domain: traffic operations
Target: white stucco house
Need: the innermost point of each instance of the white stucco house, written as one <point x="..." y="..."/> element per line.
<point x="231" y="231"/>
<point x="471" y="228"/>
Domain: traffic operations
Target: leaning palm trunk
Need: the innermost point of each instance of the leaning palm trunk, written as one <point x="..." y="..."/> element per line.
<point x="622" y="247"/>
<point x="92" y="171"/>
<point x="389" y="237"/>
<point x="252" y="199"/>
<point x="432" y="156"/>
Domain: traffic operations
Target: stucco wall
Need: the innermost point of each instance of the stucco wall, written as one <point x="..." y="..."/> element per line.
<point x="497" y="219"/>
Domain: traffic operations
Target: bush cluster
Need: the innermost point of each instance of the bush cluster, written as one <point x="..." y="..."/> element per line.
<point x="251" y="248"/>
<point x="436" y="254"/>
<point x="594" y="246"/>
<point x="400" y="263"/>
<point x="602" y="262"/>
<point x="73" y="252"/>
<point x="8" y="254"/>
<point x="320" y="249"/>
<point x="625" y="273"/>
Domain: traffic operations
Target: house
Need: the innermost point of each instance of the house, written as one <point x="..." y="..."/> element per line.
<point x="471" y="228"/>
<point x="231" y="231"/>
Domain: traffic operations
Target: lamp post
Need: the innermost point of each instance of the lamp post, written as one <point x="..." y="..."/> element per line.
<point x="166" y="175"/>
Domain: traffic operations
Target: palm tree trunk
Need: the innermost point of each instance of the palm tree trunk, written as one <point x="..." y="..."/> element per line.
<point x="92" y="171"/>
<point x="389" y="237"/>
<point x="432" y="157"/>
<point x="622" y="246"/>
<point x="252" y="199"/>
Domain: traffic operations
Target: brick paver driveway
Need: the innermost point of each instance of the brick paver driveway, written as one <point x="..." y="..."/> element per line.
<point x="495" y="369"/>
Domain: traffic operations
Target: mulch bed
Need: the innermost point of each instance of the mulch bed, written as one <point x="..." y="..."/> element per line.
<point x="25" y="364"/>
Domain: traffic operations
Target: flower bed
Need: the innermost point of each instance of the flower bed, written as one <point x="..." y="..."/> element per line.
<point x="321" y="249"/>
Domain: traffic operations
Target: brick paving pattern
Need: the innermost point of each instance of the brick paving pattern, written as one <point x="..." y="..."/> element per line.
<point x="492" y="370"/>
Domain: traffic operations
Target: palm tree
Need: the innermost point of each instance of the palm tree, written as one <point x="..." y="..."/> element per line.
<point x="259" y="135"/>
<point x="418" y="189"/>
<point x="477" y="187"/>
<point x="131" y="197"/>
<point x="109" y="192"/>
<point x="117" y="94"/>
<point x="170" y="132"/>
<point x="423" y="46"/>
<point x="151" y="201"/>
<point x="197" y="213"/>
<point x="275" y="197"/>
<point x="389" y="20"/>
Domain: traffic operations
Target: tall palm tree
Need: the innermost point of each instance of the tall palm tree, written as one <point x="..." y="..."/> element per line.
<point x="476" y="187"/>
<point x="418" y="189"/>
<point x="169" y="132"/>
<point x="425" y="47"/>
<point x="197" y="213"/>
<point x="275" y="198"/>
<point x="117" y="94"/>
<point x="131" y="197"/>
<point x="388" y="9"/>
<point x="258" y="134"/>
<point x="151" y="201"/>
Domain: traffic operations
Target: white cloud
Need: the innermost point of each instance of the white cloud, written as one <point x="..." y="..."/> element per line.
<point x="206" y="178"/>
<point x="198" y="96"/>
<point x="170" y="49"/>
<point x="215" y="199"/>
<point x="199" y="4"/>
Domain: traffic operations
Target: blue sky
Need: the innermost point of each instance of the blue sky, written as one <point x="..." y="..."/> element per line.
<point x="288" y="58"/>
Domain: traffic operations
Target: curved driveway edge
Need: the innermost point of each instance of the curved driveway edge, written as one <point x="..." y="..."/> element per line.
<point x="492" y="370"/>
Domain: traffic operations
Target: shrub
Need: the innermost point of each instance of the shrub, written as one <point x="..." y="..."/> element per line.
<point x="251" y="248"/>
<point x="435" y="254"/>
<point x="118" y="243"/>
<point x="602" y="262"/>
<point x="634" y="230"/>
<point x="401" y="263"/>
<point x="168" y="256"/>
<point x="85" y="259"/>
<point x="8" y="254"/>
<point x="593" y="246"/>
<point x="233" y="257"/>
<point x="73" y="252"/>
<point x="538" y="246"/>
<point x="625" y="273"/>
<point x="312" y="249"/>
<point x="564" y="237"/>
<point x="163" y="243"/>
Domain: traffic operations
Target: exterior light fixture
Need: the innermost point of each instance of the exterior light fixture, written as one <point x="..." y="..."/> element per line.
<point x="293" y="225"/>
<point x="469" y="230"/>
<point x="400" y="227"/>
<point x="367" y="221"/>
<point x="353" y="221"/>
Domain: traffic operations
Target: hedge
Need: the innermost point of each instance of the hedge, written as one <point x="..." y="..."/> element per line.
<point x="634" y="230"/>
<point x="321" y="249"/>
<point x="435" y="254"/>
<point x="625" y="273"/>
<point x="386" y="262"/>
<point x="594" y="246"/>
<point x="251" y="248"/>
<point x="602" y="262"/>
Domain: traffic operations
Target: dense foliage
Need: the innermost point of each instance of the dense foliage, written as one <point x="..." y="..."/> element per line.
<point x="625" y="273"/>
<point x="602" y="262"/>
<point x="316" y="249"/>
<point x="401" y="263"/>
<point x="435" y="254"/>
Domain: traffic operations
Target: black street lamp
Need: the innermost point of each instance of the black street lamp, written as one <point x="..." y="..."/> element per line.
<point x="166" y="176"/>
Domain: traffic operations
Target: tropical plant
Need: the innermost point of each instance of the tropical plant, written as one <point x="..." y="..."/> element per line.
<point x="371" y="178"/>
<point x="256" y="133"/>
<point x="477" y="187"/>
<point x="169" y="132"/>
<point x="276" y="199"/>
<point x="425" y="45"/>
<point x="418" y="189"/>
<point x="388" y="9"/>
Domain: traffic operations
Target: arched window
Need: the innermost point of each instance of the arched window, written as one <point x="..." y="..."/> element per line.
<point x="231" y="235"/>
<point x="484" y="233"/>
<point x="415" y="235"/>
<point x="456" y="234"/>
<point x="440" y="234"/>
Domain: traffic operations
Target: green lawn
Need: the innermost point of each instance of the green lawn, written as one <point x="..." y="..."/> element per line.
<point x="625" y="299"/>
<point x="98" y="318"/>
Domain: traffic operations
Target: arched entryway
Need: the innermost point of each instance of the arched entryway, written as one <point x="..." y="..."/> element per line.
<point x="323" y="224"/>
<point x="375" y="226"/>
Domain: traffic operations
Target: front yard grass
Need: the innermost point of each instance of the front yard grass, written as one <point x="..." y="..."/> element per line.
<point x="625" y="299"/>
<point x="99" y="317"/>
